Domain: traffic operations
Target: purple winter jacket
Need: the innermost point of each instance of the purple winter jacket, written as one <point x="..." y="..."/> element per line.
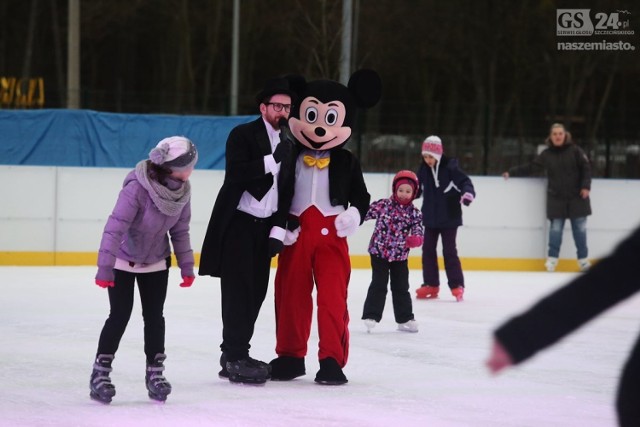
<point x="137" y="231"/>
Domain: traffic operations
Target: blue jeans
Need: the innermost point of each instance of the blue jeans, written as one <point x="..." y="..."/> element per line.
<point x="579" y="229"/>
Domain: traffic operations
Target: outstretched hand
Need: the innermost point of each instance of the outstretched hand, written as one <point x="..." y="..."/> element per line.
<point x="499" y="358"/>
<point x="466" y="199"/>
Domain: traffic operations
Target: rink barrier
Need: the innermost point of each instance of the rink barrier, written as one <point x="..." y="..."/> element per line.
<point x="56" y="216"/>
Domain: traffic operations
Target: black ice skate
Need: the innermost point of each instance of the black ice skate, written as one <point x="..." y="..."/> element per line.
<point x="100" y="384"/>
<point x="158" y="386"/>
<point x="248" y="371"/>
<point x="224" y="374"/>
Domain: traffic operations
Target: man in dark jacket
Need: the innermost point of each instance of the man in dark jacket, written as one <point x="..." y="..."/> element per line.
<point x="570" y="307"/>
<point x="247" y="227"/>
<point x="569" y="183"/>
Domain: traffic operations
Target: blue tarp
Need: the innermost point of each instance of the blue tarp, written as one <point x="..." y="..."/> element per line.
<point x="91" y="138"/>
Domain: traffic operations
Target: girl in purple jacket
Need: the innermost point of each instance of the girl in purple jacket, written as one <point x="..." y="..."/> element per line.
<point x="398" y="228"/>
<point x="154" y="203"/>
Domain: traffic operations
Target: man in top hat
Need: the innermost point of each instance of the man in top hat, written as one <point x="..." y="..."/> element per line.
<point x="247" y="227"/>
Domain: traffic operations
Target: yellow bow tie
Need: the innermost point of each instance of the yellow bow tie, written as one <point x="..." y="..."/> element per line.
<point x="319" y="163"/>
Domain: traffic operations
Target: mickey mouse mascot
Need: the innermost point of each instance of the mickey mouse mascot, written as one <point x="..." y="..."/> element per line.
<point x="330" y="201"/>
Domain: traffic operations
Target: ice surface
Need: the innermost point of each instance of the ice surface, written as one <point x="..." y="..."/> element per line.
<point x="50" y="319"/>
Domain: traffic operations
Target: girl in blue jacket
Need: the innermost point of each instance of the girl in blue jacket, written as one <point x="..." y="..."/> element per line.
<point x="445" y="187"/>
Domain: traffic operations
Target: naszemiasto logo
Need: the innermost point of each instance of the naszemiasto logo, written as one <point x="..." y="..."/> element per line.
<point x="578" y="22"/>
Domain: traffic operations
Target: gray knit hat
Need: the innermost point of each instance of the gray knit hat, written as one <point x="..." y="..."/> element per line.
<point x="177" y="153"/>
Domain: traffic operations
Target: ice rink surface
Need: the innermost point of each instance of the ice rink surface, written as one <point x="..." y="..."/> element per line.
<point x="50" y="319"/>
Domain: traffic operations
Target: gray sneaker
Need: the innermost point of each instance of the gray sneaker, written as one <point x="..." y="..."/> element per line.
<point x="584" y="264"/>
<point x="551" y="264"/>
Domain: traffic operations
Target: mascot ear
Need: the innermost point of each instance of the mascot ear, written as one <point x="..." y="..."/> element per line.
<point x="297" y="84"/>
<point x="366" y="87"/>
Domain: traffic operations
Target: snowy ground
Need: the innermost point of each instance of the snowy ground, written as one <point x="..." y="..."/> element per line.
<point x="50" y="318"/>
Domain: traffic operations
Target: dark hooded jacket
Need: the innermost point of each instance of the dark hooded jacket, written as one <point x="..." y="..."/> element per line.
<point x="568" y="171"/>
<point x="441" y="200"/>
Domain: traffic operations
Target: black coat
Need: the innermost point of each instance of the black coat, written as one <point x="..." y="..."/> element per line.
<point x="244" y="171"/>
<point x="568" y="171"/>
<point x="608" y="282"/>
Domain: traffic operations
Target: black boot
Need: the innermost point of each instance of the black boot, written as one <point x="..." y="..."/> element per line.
<point x="330" y="373"/>
<point x="286" y="368"/>
<point x="158" y="386"/>
<point x="100" y="384"/>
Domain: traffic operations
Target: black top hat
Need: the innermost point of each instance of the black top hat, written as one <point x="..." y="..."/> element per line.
<point x="274" y="86"/>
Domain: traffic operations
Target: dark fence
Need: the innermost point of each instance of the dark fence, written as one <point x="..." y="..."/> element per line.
<point x="619" y="158"/>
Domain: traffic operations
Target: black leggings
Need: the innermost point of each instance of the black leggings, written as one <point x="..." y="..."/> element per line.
<point x="153" y="292"/>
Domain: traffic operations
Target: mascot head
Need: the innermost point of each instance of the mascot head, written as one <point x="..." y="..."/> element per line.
<point x="324" y="115"/>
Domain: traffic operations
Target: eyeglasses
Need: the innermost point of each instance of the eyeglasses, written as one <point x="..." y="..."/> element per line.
<point x="278" y="107"/>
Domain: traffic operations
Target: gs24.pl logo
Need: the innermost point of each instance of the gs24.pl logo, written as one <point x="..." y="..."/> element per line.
<point x="577" y="22"/>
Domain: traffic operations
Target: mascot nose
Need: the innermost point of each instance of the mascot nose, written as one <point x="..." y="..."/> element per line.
<point x="320" y="131"/>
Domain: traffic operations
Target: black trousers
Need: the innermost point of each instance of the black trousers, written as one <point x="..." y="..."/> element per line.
<point x="377" y="294"/>
<point x="153" y="292"/>
<point x="244" y="281"/>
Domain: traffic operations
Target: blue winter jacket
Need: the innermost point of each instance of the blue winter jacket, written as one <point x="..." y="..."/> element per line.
<point x="441" y="206"/>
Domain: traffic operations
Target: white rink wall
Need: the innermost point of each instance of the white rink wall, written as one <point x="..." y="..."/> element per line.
<point x="64" y="209"/>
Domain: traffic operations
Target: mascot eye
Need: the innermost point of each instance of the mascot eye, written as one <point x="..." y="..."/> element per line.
<point x="311" y="114"/>
<point x="331" y="117"/>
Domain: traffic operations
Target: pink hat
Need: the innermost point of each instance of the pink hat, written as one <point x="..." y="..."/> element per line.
<point x="432" y="146"/>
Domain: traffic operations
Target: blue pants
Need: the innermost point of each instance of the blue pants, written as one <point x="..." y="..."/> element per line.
<point x="579" y="228"/>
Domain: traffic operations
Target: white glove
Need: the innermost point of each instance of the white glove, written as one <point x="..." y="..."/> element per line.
<point x="290" y="237"/>
<point x="347" y="222"/>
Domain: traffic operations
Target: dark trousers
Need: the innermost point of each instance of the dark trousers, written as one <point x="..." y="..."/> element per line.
<point x="452" y="266"/>
<point x="629" y="390"/>
<point x="244" y="281"/>
<point x="153" y="292"/>
<point x="377" y="294"/>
